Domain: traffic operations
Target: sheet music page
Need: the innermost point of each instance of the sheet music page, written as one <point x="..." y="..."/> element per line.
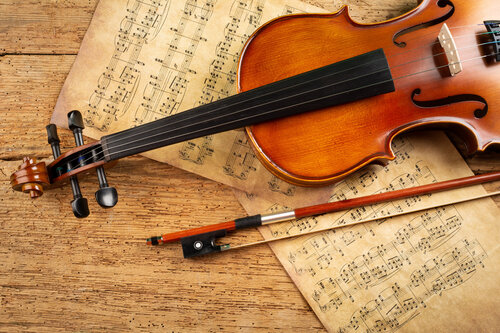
<point x="148" y="59"/>
<point x="434" y="270"/>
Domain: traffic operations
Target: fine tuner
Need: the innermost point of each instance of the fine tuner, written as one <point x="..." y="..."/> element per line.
<point x="318" y="105"/>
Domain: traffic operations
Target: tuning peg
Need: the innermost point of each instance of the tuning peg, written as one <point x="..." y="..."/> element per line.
<point x="79" y="203"/>
<point x="75" y="123"/>
<point x="53" y="140"/>
<point x="105" y="196"/>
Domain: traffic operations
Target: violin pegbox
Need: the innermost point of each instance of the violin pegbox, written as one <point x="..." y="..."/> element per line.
<point x="106" y="196"/>
<point x="32" y="175"/>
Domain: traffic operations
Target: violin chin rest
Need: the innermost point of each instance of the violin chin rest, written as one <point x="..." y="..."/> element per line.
<point x="106" y="197"/>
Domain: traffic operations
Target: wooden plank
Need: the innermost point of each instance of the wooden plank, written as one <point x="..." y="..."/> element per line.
<point x="98" y="271"/>
<point x="58" y="27"/>
<point x="30" y="86"/>
<point x="59" y="272"/>
<point x="51" y="26"/>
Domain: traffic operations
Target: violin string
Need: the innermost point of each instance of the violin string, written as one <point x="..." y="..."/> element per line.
<point x="397" y="54"/>
<point x="467" y="26"/>
<point x="332" y="95"/>
<point x="273" y="101"/>
<point x="412" y="61"/>
<point x="318" y="78"/>
<point x="298" y="84"/>
<point x="438" y="42"/>
<point x="438" y="28"/>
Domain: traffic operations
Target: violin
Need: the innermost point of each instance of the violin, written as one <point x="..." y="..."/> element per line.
<point x="321" y="96"/>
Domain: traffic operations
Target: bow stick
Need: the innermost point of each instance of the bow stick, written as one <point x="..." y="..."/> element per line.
<point x="199" y="241"/>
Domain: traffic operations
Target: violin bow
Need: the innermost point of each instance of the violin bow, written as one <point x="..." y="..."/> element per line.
<point x="200" y="241"/>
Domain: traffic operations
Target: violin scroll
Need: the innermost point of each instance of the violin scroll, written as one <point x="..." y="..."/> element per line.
<point x="30" y="177"/>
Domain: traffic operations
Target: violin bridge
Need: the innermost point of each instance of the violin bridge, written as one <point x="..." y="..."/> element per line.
<point x="450" y="48"/>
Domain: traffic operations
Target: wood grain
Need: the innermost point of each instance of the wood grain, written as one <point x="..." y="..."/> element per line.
<point x="44" y="27"/>
<point x="58" y="273"/>
<point x="323" y="147"/>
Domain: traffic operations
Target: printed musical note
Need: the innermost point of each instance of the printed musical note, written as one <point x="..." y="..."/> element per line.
<point x="295" y="227"/>
<point x="288" y="10"/>
<point x="165" y="91"/>
<point x="119" y="81"/>
<point x="425" y="232"/>
<point x="278" y="185"/>
<point x="241" y="160"/>
<point x="244" y="17"/>
<point x="197" y="150"/>
<point x="397" y="305"/>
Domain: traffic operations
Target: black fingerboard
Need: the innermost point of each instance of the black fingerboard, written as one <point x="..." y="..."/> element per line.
<point x="349" y="80"/>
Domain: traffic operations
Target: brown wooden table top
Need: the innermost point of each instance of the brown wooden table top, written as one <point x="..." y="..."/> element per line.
<point x="96" y="274"/>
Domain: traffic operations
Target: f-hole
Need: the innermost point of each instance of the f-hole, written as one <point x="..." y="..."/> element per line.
<point x="478" y="113"/>
<point x="440" y="3"/>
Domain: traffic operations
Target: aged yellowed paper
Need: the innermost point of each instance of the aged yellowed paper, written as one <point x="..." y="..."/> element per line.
<point x="148" y="59"/>
<point x="143" y="60"/>
<point x="437" y="270"/>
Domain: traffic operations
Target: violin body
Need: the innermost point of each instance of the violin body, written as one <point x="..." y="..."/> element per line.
<point x="326" y="145"/>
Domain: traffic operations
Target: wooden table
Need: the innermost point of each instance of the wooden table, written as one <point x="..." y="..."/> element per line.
<point x="96" y="274"/>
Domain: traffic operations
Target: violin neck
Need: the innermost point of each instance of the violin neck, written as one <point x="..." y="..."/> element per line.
<point x="349" y="80"/>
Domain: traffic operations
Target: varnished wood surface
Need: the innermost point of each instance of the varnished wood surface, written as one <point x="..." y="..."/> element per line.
<point x="58" y="273"/>
<point x="324" y="146"/>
